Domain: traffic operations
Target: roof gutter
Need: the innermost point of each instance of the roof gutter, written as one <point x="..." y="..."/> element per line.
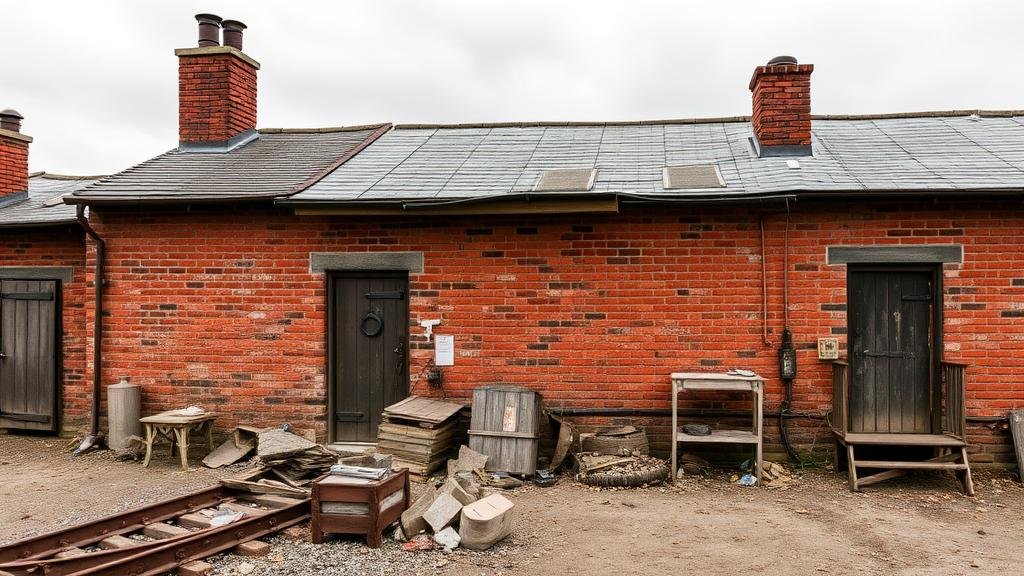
<point x="94" y="437"/>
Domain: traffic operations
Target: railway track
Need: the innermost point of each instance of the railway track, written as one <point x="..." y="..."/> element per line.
<point x="154" y="539"/>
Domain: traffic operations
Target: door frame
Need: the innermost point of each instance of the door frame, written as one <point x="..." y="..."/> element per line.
<point x="935" y="270"/>
<point x="332" y="277"/>
<point x="58" y="349"/>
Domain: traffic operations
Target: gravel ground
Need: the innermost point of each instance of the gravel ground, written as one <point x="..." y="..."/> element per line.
<point x="919" y="525"/>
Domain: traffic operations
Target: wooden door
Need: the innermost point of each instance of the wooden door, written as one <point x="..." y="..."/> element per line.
<point x="29" y="330"/>
<point x="370" y="327"/>
<point x="892" y="345"/>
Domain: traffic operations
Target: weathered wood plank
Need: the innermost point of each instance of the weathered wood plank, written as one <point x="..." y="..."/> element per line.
<point x="1017" y="428"/>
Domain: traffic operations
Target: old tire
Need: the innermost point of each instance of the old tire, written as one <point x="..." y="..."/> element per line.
<point x="652" y="475"/>
<point x="624" y="445"/>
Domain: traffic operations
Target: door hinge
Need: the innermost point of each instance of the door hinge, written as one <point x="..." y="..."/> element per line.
<point x="25" y="417"/>
<point x="27" y="295"/>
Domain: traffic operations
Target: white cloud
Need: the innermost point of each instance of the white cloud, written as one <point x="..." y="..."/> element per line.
<point x="97" y="81"/>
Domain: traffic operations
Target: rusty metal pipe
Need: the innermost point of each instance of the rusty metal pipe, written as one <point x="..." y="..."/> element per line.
<point x="98" y="282"/>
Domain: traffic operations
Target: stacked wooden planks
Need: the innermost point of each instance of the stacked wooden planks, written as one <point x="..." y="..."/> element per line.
<point x="419" y="433"/>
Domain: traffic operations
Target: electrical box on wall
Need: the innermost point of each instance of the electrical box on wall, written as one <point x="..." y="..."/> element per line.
<point x="828" y="348"/>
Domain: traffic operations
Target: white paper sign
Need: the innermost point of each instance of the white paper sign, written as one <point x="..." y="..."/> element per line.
<point x="444" y="350"/>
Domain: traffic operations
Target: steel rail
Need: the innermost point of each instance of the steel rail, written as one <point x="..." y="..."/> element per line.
<point x="155" y="557"/>
<point x="92" y="532"/>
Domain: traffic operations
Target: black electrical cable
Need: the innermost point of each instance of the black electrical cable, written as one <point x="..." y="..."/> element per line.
<point x="787" y="384"/>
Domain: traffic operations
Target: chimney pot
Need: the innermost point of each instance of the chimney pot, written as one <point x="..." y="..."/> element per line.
<point x="782" y="61"/>
<point x="11" y="120"/>
<point x="209" y="29"/>
<point x="233" y="33"/>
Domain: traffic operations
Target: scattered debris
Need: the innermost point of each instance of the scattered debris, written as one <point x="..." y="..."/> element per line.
<point x="775" y="475"/>
<point x="448" y="538"/>
<point x="469" y="460"/>
<point x="747" y="480"/>
<point x="499" y="480"/>
<point x="419" y="542"/>
<point x="545" y="478"/>
<point x="240" y="445"/>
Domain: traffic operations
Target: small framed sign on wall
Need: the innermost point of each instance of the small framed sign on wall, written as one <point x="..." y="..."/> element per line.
<point x="828" y="348"/>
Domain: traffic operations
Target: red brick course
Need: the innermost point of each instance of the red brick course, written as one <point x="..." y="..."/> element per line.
<point x="216" y="97"/>
<point x="59" y="246"/>
<point x="219" y="308"/>
<point x="13" y="166"/>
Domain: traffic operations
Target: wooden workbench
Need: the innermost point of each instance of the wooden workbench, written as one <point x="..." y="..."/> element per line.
<point x="697" y="381"/>
<point x="176" y="428"/>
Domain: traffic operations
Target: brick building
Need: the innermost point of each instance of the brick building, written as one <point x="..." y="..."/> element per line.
<point x="42" y="292"/>
<point x="292" y="275"/>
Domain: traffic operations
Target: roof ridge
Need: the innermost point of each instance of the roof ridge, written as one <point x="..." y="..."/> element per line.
<point x="323" y="130"/>
<point x="53" y="176"/>
<point x="712" y="120"/>
<point x="353" y="152"/>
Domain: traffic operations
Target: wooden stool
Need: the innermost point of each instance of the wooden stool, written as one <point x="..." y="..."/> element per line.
<point x="176" y="428"/>
<point x="343" y="505"/>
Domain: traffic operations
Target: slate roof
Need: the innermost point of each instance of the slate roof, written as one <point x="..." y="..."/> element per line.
<point x="274" y="164"/>
<point x="30" y="209"/>
<point x="926" y="153"/>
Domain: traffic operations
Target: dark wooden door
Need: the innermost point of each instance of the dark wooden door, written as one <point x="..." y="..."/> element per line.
<point x="28" y="354"/>
<point x="891" y="340"/>
<point x="370" y="323"/>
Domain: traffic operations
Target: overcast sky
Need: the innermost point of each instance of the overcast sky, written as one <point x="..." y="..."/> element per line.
<point x="97" y="81"/>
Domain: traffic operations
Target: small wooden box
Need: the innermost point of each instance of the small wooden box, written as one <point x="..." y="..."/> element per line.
<point x="344" y="505"/>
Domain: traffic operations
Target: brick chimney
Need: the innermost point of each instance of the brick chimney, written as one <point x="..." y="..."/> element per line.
<point x="216" y="87"/>
<point x="782" y="107"/>
<point x="13" y="154"/>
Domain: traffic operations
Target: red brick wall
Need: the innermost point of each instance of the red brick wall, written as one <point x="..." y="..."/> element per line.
<point x="13" y="166"/>
<point x="216" y="97"/>
<point x="220" y="309"/>
<point x="59" y="246"/>
<point x="782" y="105"/>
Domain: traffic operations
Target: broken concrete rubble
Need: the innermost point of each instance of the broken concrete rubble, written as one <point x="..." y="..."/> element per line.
<point x="448" y="538"/>
<point x="442" y="512"/>
<point x="453" y="487"/>
<point x="412" y="519"/>
<point x="469" y="460"/>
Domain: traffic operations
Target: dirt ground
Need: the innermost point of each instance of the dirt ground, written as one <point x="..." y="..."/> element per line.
<point x="918" y="525"/>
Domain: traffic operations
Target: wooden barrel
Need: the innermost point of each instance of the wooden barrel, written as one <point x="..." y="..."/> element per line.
<point x="504" y="426"/>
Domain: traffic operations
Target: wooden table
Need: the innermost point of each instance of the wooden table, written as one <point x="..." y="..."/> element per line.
<point x="719" y="382"/>
<point x="176" y="428"/>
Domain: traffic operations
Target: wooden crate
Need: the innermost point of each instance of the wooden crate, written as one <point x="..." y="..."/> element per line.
<point x="504" y="425"/>
<point x="344" y="505"/>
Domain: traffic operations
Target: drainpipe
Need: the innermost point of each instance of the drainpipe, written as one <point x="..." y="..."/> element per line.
<point x="95" y="438"/>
